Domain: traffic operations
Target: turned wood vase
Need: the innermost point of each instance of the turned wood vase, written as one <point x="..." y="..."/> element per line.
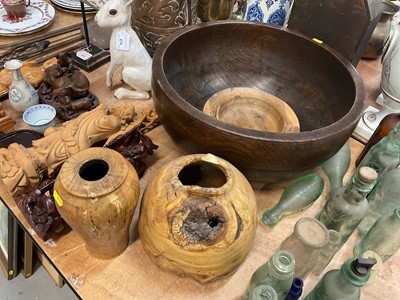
<point x="96" y="192"/>
<point x="198" y="217"/>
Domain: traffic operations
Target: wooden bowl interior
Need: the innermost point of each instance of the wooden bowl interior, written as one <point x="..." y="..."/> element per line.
<point x="253" y="109"/>
<point x="200" y="63"/>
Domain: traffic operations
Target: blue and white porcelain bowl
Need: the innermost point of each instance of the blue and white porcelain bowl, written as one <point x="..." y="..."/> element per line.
<point x="40" y="117"/>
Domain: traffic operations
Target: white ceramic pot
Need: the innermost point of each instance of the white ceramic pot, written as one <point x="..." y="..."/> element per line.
<point x="390" y="81"/>
<point x="274" y="12"/>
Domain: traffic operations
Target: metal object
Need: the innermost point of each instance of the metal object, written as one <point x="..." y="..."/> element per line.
<point x="96" y="55"/>
<point x="43" y="46"/>
<point x="154" y="20"/>
<point x="43" y="37"/>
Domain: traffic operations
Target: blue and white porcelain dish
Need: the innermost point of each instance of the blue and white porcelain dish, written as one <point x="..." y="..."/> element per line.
<point x="39" y="117"/>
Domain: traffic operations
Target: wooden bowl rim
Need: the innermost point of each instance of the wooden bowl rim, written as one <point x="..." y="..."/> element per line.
<point x="350" y="119"/>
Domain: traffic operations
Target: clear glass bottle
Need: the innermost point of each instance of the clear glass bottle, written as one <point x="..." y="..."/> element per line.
<point x="297" y="196"/>
<point x="344" y="283"/>
<point x="263" y="292"/>
<point x="347" y="206"/>
<point x="277" y="272"/>
<point x="326" y="254"/>
<point x="383" y="238"/>
<point x="384" y="198"/>
<point x="336" y="167"/>
<point x="308" y="237"/>
<point x="295" y="290"/>
<point x="385" y="153"/>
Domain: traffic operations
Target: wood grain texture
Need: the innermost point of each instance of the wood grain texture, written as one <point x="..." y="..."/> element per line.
<point x="322" y="88"/>
<point x="253" y="109"/>
<point x="97" y="193"/>
<point x="198" y="217"/>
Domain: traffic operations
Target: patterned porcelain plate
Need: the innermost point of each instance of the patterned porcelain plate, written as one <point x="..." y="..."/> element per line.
<point x="74" y="10"/>
<point x="96" y="4"/>
<point x="70" y="4"/>
<point x="38" y="15"/>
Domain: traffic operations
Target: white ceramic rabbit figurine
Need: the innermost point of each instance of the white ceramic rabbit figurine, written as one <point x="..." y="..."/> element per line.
<point x="126" y="49"/>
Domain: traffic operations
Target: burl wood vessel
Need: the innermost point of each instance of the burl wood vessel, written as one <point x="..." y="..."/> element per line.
<point x="96" y="193"/>
<point x="198" y="217"/>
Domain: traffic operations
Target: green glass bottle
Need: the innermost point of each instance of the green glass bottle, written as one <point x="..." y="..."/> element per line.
<point x="385" y="153"/>
<point x="344" y="283"/>
<point x="297" y="196"/>
<point x="383" y="238"/>
<point x="336" y="167"/>
<point x="347" y="206"/>
<point x="263" y="292"/>
<point x="278" y="272"/>
<point x="384" y="198"/>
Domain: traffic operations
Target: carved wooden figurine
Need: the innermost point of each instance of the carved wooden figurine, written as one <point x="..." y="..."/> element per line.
<point x="22" y="167"/>
<point x="66" y="88"/>
<point x="126" y="49"/>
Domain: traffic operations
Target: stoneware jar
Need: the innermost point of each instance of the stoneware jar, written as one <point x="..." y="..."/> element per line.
<point x="96" y="193"/>
<point x="198" y="217"/>
<point x="21" y="93"/>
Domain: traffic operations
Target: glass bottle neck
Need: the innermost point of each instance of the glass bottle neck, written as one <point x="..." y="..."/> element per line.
<point x="356" y="189"/>
<point x="348" y="276"/>
<point x="281" y="265"/>
<point x="345" y="285"/>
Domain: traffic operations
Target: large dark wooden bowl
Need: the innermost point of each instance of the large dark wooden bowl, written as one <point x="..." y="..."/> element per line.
<point x="323" y="88"/>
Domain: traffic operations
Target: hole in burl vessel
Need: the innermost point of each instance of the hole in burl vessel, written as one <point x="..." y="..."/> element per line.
<point x="204" y="222"/>
<point x="203" y="174"/>
<point x="213" y="222"/>
<point x="93" y="170"/>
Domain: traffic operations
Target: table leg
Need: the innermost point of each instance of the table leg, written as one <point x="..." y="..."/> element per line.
<point x="28" y="256"/>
